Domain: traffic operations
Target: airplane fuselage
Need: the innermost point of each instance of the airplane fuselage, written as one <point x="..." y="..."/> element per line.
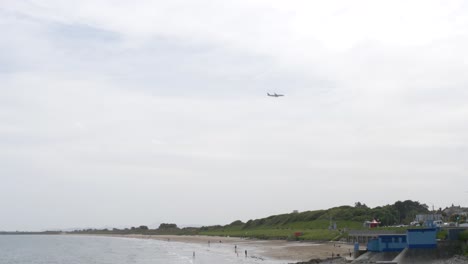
<point x="275" y="95"/>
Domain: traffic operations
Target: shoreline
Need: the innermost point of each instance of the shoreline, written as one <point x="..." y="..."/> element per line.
<point x="273" y="249"/>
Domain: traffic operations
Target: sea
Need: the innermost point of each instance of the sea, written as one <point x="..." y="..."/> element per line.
<point x="78" y="249"/>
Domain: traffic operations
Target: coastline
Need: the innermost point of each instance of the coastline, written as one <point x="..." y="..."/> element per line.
<point x="281" y="250"/>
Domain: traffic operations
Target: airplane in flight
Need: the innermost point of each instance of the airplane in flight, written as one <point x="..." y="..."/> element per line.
<point x="275" y="95"/>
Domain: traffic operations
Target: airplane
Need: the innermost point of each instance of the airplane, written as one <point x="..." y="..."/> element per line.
<point x="275" y="95"/>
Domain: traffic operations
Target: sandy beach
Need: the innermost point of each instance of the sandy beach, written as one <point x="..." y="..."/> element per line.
<point x="273" y="249"/>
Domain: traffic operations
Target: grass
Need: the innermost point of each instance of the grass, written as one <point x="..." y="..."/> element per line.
<point x="263" y="233"/>
<point x="316" y="230"/>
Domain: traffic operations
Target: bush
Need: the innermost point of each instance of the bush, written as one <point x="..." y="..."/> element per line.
<point x="167" y="226"/>
<point x="463" y="236"/>
<point x="442" y="235"/>
<point x="236" y="223"/>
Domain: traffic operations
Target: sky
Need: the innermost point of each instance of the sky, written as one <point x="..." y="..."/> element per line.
<point x="126" y="113"/>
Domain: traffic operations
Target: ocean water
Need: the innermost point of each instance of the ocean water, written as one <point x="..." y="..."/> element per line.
<point x="70" y="249"/>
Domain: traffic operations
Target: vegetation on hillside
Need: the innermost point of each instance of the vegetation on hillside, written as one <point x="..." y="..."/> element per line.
<point x="309" y="225"/>
<point x="319" y="224"/>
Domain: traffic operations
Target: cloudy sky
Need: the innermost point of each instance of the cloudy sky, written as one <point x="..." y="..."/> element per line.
<point x="121" y="113"/>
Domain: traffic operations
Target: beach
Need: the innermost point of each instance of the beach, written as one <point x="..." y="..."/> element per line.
<point x="261" y="249"/>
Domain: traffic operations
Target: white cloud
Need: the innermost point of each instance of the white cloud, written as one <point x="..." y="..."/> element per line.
<point x="138" y="103"/>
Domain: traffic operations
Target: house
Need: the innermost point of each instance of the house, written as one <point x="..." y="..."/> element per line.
<point x="386" y="243"/>
<point x="422" y="218"/>
<point x="455" y="210"/>
<point x="371" y="224"/>
<point x="414" y="238"/>
<point x="421" y="238"/>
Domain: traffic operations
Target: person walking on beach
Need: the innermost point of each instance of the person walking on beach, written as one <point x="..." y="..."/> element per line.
<point x="246" y="253"/>
<point x="235" y="248"/>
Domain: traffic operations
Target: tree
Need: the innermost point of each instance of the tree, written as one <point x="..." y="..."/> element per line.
<point x="167" y="226"/>
<point x="360" y="205"/>
<point x="408" y="210"/>
<point x="236" y="223"/>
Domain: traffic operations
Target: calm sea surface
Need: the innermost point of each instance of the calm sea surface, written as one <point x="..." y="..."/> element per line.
<point x="51" y="249"/>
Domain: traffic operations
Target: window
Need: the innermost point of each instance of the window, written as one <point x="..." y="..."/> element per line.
<point x="386" y="239"/>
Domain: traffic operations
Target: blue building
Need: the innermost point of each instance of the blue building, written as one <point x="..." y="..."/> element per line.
<point x="414" y="238"/>
<point x="385" y="243"/>
<point x="422" y="238"/>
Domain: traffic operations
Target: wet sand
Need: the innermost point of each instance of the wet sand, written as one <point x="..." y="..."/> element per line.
<point x="273" y="249"/>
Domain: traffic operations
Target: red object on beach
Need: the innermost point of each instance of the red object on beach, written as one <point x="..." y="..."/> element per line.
<point x="297" y="234"/>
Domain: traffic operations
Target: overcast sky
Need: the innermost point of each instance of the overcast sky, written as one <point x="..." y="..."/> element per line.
<point x="123" y="113"/>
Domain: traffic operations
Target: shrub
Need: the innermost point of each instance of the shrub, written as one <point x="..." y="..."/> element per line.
<point x="463" y="236"/>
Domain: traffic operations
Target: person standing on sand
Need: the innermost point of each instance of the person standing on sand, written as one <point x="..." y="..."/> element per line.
<point x="235" y="248"/>
<point x="246" y="253"/>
